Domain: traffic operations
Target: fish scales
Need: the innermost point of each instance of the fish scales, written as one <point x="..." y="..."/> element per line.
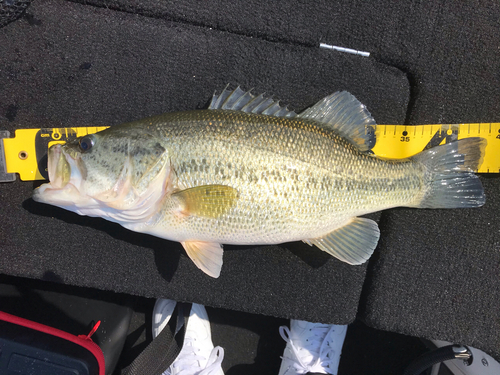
<point x="295" y="179"/>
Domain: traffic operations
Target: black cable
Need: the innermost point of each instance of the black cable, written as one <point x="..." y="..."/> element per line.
<point x="435" y="356"/>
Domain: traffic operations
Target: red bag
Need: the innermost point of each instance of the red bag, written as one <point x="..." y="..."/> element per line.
<point x="28" y="347"/>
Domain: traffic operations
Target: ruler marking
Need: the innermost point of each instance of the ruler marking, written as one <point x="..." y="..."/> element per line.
<point x="386" y="146"/>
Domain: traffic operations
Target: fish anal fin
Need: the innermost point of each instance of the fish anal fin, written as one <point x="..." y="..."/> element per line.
<point x="210" y="201"/>
<point x="342" y="113"/>
<point x="207" y="256"/>
<point x="352" y="243"/>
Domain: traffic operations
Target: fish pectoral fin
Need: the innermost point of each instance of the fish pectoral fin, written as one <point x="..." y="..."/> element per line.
<point x="207" y="256"/>
<point x="352" y="243"/>
<point x="211" y="201"/>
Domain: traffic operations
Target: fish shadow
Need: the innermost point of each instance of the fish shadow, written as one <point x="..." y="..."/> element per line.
<point x="248" y="332"/>
<point x="166" y="253"/>
<point x="312" y="256"/>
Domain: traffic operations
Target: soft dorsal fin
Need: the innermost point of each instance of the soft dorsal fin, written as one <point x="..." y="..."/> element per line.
<point x="239" y="100"/>
<point x="347" y="116"/>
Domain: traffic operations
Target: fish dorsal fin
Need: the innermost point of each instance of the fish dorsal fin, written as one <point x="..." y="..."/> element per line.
<point x="245" y="101"/>
<point x="347" y="116"/>
<point x="207" y="256"/>
<point x="352" y="243"/>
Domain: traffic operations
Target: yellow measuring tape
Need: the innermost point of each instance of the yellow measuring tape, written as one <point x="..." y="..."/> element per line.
<point x="26" y="153"/>
<point x="402" y="141"/>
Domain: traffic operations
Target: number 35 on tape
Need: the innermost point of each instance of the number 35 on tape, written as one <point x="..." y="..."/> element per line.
<point x="402" y="141"/>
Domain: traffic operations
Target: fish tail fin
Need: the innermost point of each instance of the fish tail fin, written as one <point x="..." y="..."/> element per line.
<point x="449" y="176"/>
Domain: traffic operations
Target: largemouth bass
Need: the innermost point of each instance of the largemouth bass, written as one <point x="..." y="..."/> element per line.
<point x="248" y="171"/>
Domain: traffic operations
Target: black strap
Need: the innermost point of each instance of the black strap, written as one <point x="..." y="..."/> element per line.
<point x="164" y="349"/>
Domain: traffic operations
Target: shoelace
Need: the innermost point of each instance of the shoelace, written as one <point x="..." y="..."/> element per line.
<point x="214" y="362"/>
<point x="188" y="361"/>
<point x="317" y="347"/>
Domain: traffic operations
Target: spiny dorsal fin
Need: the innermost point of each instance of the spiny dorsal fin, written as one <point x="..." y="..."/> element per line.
<point x="352" y="243"/>
<point x="239" y="100"/>
<point x="344" y="114"/>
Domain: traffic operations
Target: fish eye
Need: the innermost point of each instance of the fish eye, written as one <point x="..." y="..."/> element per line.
<point x="86" y="143"/>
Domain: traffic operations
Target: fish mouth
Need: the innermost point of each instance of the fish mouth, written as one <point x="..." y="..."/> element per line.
<point x="65" y="178"/>
<point x="58" y="167"/>
<point x="68" y="188"/>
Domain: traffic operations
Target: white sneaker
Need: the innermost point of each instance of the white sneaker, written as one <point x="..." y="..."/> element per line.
<point x="162" y="312"/>
<point x="311" y="347"/>
<point x="198" y="355"/>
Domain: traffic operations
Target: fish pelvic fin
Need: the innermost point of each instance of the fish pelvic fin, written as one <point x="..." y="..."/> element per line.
<point x="345" y="115"/>
<point x="449" y="178"/>
<point x="352" y="243"/>
<point x="207" y="256"/>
